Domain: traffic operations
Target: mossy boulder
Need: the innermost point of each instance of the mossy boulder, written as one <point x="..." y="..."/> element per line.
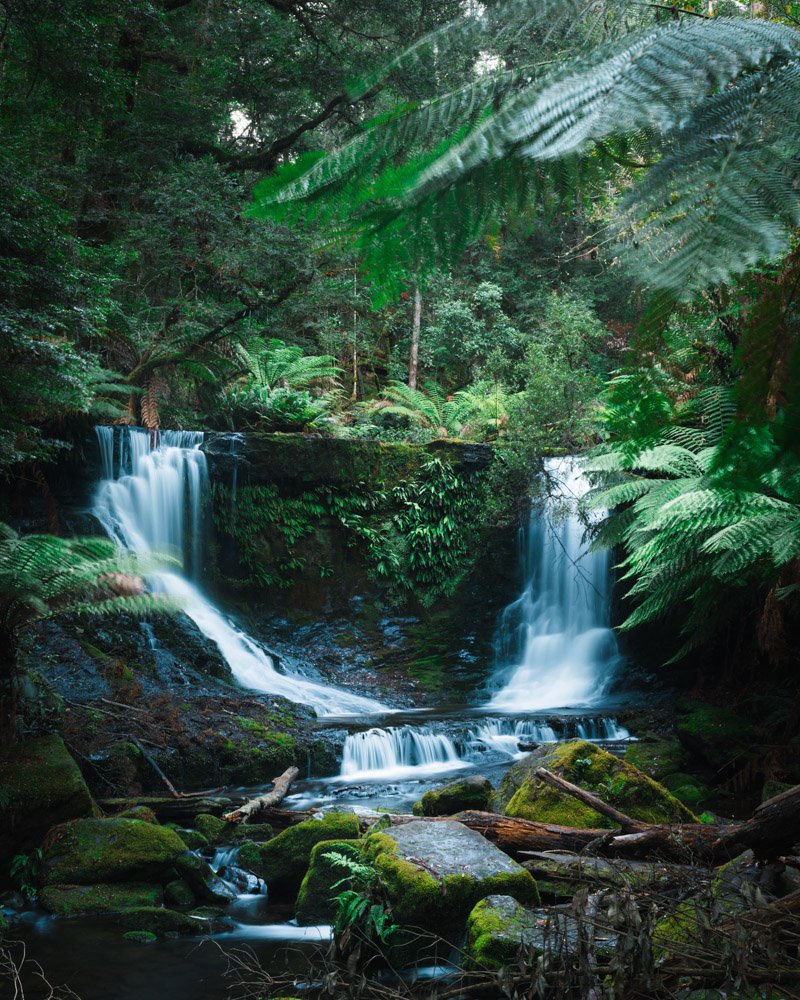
<point x="140" y="937"/>
<point x="315" y="903"/>
<point x="686" y="788"/>
<point x="87" y="851"/>
<point x="42" y="786"/>
<point x="203" y="882"/>
<point x="70" y="900"/>
<point x="473" y="792"/>
<point x="178" y="892"/>
<point x="283" y="861"/>
<point x="193" y="839"/>
<point x="718" y="735"/>
<point x="434" y="873"/>
<point x="159" y="921"/>
<point x="215" y="830"/>
<point x="591" y="767"/>
<point x="657" y="757"/>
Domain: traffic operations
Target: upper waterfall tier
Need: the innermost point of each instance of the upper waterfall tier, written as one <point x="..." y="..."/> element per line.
<point x="555" y="648"/>
<point x="151" y="501"/>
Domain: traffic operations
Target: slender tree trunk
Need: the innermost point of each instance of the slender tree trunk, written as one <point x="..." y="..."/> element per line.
<point x="9" y="692"/>
<point x="413" y="361"/>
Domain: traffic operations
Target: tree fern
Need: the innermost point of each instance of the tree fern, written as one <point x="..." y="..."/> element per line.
<point x="718" y="99"/>
<point x="274" y="364"/>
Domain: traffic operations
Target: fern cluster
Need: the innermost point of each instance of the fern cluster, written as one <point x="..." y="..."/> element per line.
<point x="478" y="411"/>
<point x="705" y="510"/>
<point x="716" y="102"/>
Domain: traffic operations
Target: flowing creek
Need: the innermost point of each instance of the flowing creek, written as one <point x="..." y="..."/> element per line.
<point x="556" y="658"/>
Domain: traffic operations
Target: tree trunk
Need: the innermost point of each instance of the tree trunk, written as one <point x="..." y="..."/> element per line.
<point x="413" y="360"/>
<point x="9" y="692"/>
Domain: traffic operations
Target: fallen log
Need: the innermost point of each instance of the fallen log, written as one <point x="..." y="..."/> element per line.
<point x="773" y="829"/>
<point x="280" y="786"/>
<point x="168" y="810"/>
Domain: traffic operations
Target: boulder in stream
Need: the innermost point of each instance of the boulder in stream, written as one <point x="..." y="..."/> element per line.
<point x="88" y="851"/>
<point x="435" y="872"/>
<point x="499" y="926"/>
<point x="472" y="792"/>
<point x="283" y="861"/>
<point x="44" y="786"/>
<point x="315" y="900"/>
<point x="200" y="878"/>
<point x="583" y="763"/>
<point x="71" y="900"/>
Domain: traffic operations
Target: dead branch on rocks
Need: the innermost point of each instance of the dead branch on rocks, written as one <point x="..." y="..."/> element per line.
<point x="280" y="786"/>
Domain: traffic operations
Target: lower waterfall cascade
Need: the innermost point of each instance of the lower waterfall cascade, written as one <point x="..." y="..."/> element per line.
<point x="153" y="483"/>
<point x="555" y="647"/>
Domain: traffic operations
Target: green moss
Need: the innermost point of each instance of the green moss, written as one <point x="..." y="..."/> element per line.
<point x="315" y="903"/>
<point x="468" y="793"/>
<point x="178" y="892"/>
<point x="496" y="929"/>
<point x="215" y="830"/>
<point x="140" y="937"/>
<point x="718" y="735"/>
<point x="157" y="920"/>
<point x="657" y="757"/>
<point x="671" y="934"/>
<point x="613" y="780"/>
<point x="42" y="787"/>
<point x="283" y="861"/>
<point x="439" y="903"/>
<point x="68" y="900"/>
<point x="193" y="839"/>
<point x="86" y="851"/>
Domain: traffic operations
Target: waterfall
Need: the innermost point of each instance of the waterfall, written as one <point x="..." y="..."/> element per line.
<point x="397" y="753"/>
<point x="506" y="735"/>
<point x="151" y="501"/>
<point x="555" y="646"/>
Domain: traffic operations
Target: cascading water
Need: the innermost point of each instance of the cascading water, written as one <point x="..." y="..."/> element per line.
<point x="152" y="488"/>
<point x="395" y="754"/>
<point x="506" y="735"/>
<point x="555" y="647"/>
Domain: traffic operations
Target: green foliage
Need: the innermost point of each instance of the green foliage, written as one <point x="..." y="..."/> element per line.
<point x="362" y="908"/>
<point x="24" y="872"/>
<point x="701" y="507"/>
<point x="417" y="186"/>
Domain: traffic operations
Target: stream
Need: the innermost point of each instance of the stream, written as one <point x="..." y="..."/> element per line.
<point x="555" y="662"/>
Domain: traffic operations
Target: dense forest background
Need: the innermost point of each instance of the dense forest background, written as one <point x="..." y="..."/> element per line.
<point x="139" y="284"/>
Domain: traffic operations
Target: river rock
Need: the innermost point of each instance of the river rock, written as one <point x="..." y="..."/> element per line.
<point x="198" y="874"/>
<point x="178" y="892"/>
<point x="283" y="861"/>
<point x="472" y="792"/>
<point x="315" y="900"/>
<point x="87" y="851"/>
<point x="69" y="900"/>
<point x="435" y="872"/>
<point x="44" y="786"/>
<point x="159" y="921"/>
<point x="589" y="766"/>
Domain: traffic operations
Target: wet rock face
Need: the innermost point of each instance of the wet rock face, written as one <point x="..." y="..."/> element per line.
<point x="434" y="873"/>
<point x="44" y="786"/>
<point x="472" y="792"/>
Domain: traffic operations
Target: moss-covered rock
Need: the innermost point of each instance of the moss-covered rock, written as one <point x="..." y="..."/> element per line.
<point x="473" y="792"/>
<point x="315" y="903"/>
<point x="686" y="788"/>
<point x="718" y="735"/>
<point x="159" y="921"/>
<point x="87" y="851"/>
<point x="42" y="786"/>
<point x="202" y="881"/>
<point x="283" y="861"/>
<point x="595" y="769"/>
<point x="434" y="873"/>
<point x="70" y="900"/>
<point x="215" y="830"/>
<point x="657" y="757"/>
<point x="140" y="937"/>
<point x="178" y="892"/>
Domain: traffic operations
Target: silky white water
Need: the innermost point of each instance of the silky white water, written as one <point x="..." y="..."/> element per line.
<point x="154" y="505"/>
<point x="397" y="754"/>
<point x="555" y="647"/>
